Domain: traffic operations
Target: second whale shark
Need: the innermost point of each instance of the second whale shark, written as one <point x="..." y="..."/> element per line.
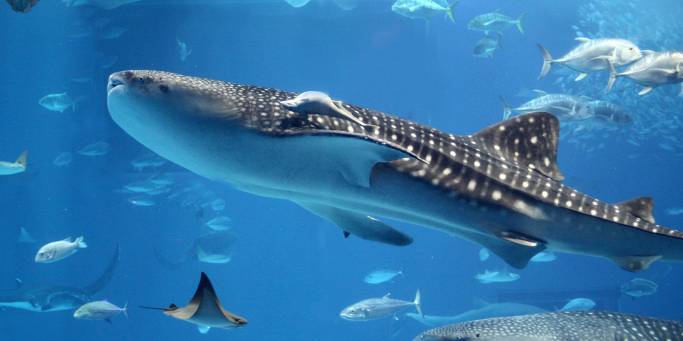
<point x="500" y="187"/>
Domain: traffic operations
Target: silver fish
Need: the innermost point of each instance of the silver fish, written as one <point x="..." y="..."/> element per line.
<point x="653" y="70"/>
<point x="378" y="308"/>
<point x="495" y="22"/>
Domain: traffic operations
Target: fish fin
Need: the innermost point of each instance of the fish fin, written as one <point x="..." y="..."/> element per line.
<point x="67" y="239"/>
<point x="81" y="242"/>
<point x="418" y="303"/>
<point x="635" y="263"/>
<point x="518" y="22"/>
<point x="203" y="329"/>
<point x="108" y="320"/>
<point x="386" y="295"/>
<point x="19" y="283"/>
<point x="23" y="159"/>
<point x="539" y="92"/>
<point x="125" y="309"/>
<point x="612" y="75"/>
<point x="582" y="39"/>
<point x="640" y="207"/>
<point x="534" y="137"/>
<point x="580" y="76"/>
<point x="647" y="52"/>
<point x="507" y="109"/>
<point x="646" y="90"/>
<point x="449" y="10"/>
<point x="547" y="61"/>
<point x="514" y="254"/>
<point x="360" y="225"/>
<point x="346" y="234"/>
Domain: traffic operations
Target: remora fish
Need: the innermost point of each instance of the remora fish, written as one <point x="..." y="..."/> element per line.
<point x="486" y="310"/>
<point x="39" y="298"/>
<point x="655" y="69"/>
<point x="593" y="55"/>
<point x="205" y="310"/>
<point x="99" y="310"/>
<point x="378" y="308"/>
<point x="562" y="326"/>
<point x="500" y="187"/>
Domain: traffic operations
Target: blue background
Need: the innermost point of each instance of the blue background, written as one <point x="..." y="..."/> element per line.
<point x="291" y="272"/>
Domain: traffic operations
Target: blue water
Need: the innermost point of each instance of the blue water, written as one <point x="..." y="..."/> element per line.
<point x="291" y="272"/>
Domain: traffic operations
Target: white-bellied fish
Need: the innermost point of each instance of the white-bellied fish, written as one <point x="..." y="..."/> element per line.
<point x="220" y="223"/>
<point x="579" y="304"/>
<point x="142" y="201"/>
<point x="639" y="287"/>
<point x="653" y="70"/>
<point x="56" y="251"/>
<point x="496" y="277"/>
<point x="424" y="9"/>
<point x="57" y="102"/>
<point x="381" y="276"/>
<point x="16" y="167"/>
<point x="593" y="55"/>
<point x="565" y="107"/>
<point x="63" y="159"/>
<point x="95" y="149"/>
<point x="183" y="50"/>
<point x="204" y="310"/>
<point x="379" y="308"/>
<point x="486" y="46"/>
<point x="495" y="22"/>
<point x="500" y="187"/>
<point x="99" y="310"/>
<point x="559" y="326"/>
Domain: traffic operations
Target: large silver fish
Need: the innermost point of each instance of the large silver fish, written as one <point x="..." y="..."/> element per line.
<point x="495" y="22"/>
<point x="653" y="70"/>
<point x="500" y="187"/>
<point x="565" y="107"/>
<point x="378" y="308"/>
<point x="593" y="55"/>
<point x="560" y="326"/>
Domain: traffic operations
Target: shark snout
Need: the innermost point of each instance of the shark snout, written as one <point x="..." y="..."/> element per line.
<point x="118" y="79"/>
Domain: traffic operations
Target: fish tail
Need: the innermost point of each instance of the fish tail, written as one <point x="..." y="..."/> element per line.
<point x="547" y="61"/>
<point x="80" y="241"/>
<point x="507" y="109"/>
<point x="520" y="28"/>
<point x="125" y="309"/>
<point x="418" y="303"/>
<point x="612" y="75"/>
<point x="23" y="158"/>
<point x="449" y="10"/>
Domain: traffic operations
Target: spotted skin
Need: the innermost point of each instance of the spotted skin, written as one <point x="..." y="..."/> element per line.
<point x="508" y="168"/>
<point x="560" y="326"/>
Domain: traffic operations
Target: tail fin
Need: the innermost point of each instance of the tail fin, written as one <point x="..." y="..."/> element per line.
<point x="418" y="303"/>
<point x="507" y="110"/>
<point x="612" y="76"/>
<point x="23" y="159"/>
<point x="449" y="10"/>
<point x="125" y="309"/>
<point x="547" y="61"/>
<point x="520" y="28"/>
<point x="105" y="278"/>
<point x="81" y="242"/>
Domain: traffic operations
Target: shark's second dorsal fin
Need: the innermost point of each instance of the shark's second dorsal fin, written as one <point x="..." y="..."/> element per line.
<point x="640" y="207"/>
<point x="529" y="140"/>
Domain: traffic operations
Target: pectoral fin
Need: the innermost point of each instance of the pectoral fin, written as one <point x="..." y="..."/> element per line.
<point x="203" y="329"/>
<point x="635" y="263"/>
<point x="515" y="249"/>
<point x="360" y="225"/>
<point x="645" y="91"/>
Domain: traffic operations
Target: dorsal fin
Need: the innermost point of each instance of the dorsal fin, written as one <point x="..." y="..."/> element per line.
<point x="530" y="140"/>
<point x="640" y="207"/>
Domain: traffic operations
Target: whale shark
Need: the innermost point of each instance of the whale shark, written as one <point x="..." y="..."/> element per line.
<point x="500" y="187"/>
<point x="485" y="310"/>
<point x="50" y="298"/>
<point x="560" y="326"/>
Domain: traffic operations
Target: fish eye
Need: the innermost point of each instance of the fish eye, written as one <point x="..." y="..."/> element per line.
<point x="164" y="88"/>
